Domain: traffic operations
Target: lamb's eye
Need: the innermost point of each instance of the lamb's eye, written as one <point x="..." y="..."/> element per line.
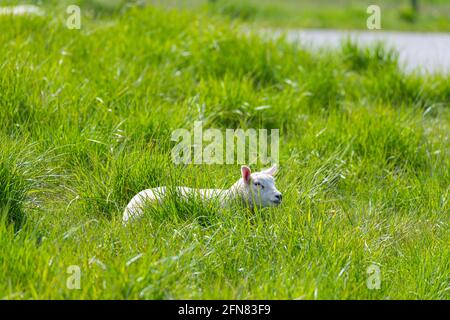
<point x="259" y="184"/>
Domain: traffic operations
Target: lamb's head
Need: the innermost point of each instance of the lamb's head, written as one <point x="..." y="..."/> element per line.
<point x="258" y="189"/>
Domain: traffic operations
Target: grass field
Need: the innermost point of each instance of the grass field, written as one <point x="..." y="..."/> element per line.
<point x="85" y="122"/>
<point x="433" y="15"/>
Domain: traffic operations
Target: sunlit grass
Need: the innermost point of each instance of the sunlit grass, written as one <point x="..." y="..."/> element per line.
<point x="85" y="123"/>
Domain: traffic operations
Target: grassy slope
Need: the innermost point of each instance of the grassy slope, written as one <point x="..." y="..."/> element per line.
<point x="85" y="122"/>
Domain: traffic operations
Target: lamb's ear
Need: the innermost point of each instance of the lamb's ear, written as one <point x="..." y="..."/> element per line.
<point x="246" y="174"/>
<point x="272" y="170"/>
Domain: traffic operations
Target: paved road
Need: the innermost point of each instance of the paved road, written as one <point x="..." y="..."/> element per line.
<point x="428" y="52"/>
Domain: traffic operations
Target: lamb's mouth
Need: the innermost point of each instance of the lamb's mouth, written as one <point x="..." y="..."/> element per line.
<point x="277" y="202"/>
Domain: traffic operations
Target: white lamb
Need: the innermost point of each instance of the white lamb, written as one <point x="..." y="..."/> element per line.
<point x="252" y="190"/>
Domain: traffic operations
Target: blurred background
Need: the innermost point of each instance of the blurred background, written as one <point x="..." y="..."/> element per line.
<point x="420" y="15"/>
<point x="404" y="15"/>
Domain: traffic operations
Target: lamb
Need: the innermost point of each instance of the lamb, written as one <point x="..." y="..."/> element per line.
<point x="251" y="190"/>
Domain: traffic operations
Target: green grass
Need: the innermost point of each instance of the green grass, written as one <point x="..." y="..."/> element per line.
<point x="341" y="14"/>
<point x="85" y="122"/>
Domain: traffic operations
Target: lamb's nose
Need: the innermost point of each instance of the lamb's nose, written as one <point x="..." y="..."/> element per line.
<point x="279" y="197"/>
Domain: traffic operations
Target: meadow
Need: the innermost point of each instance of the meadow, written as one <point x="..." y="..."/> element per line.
<point x="85" y="123"/>
<point x="431" y="15"/>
